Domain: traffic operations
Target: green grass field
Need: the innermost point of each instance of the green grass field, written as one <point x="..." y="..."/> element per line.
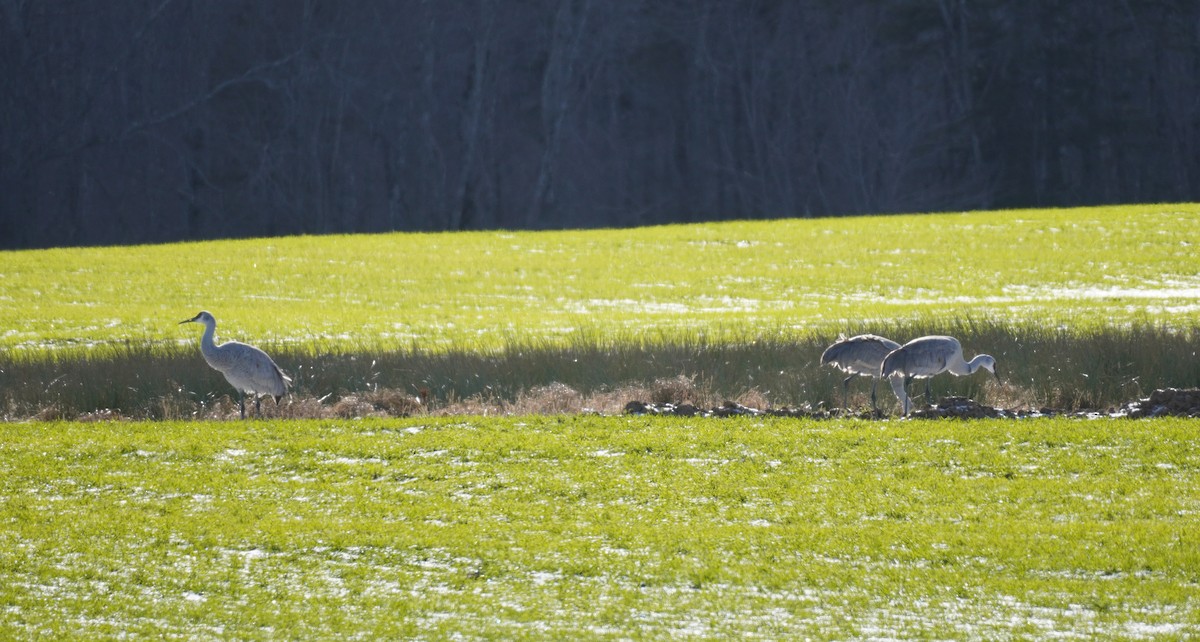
<point x="1083" y="308"/>
<point x="1079" y="268"/>
<point x="601" y="528"/>
<point x="580" y="526"/>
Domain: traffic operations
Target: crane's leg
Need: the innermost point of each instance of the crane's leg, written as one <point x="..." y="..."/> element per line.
<point x="928" y="392"/>
<point x="258" y="405"/>
<point x="907" y="394"/>
<point x="846" y="390"/>
<point x="897" y="384"/>
<point x="242" y="403"/>
<point x="874" y="383"/>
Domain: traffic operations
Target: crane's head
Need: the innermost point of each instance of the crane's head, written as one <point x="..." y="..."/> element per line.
<point x="204" y="317"/>
<point x="988" y="362"/>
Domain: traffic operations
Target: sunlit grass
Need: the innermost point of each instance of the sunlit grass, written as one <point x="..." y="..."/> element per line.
<point x="1046" y="367"/>
<point x="1079" y="269"/>
<point x="592" y="527"/>
<point x="568" y="527"/>
<point x="1083" y="308"/>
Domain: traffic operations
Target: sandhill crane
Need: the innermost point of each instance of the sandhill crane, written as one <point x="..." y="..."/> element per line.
<point x="245" y="367"/>
<point x="924" y="357"/>
<point x="863" y="355"/>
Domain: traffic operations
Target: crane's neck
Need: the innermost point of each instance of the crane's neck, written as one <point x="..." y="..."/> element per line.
<point x="961" y="368"/>
<point x="897" y="383"/>
<point x="207" y="344"/>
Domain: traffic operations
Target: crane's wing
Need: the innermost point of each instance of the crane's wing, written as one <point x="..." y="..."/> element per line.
<point x="858" y="349"/>
<point x="860" y="354"/>
<point x="935" y="353"/>
<point x="253" y="371"/>
<point x="923" y="357"/>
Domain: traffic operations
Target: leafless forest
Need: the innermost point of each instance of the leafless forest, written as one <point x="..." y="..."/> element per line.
<point x="151" y="120"/>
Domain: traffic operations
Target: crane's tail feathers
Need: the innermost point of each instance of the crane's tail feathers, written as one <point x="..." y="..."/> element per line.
<point x="834" y="354"/>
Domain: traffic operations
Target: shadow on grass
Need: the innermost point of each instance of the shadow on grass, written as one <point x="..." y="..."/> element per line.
<point x="1040" y="368"/>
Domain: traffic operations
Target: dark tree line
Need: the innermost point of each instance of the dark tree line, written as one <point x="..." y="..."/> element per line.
<point x="151" y="120"/>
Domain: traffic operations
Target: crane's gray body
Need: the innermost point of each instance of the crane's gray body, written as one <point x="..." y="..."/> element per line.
<point x="863" y="355"/>
<point x="925" y="357"/>
<point x="246" y="368"/>
<point x="859" y="355"/>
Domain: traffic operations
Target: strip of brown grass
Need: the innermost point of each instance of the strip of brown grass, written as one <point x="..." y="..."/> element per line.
<point x="1051" y="368"/>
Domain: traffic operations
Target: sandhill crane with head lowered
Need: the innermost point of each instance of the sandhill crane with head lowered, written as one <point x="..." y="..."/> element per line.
<point x="863" y="355"/>
<point x="246" y="368"/>
<point x="925" y="357"/>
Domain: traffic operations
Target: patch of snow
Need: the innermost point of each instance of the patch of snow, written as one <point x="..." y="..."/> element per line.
<point x="604" y="452"/>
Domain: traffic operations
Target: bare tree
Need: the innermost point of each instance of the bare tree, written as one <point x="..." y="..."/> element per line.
<point x="146" y="120"/>
<point x="559" y="84"/>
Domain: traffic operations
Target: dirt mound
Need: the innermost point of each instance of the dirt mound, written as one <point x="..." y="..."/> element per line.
<point x="1168" y="402"/>
<point x="727" y="409"/>
<point x="960" y="408"/>
<point x="950" y="407"/>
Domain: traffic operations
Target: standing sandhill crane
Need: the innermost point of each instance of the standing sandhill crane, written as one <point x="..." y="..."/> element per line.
<point x="245" y="367"/>
<point x="924" y="357"/>
<point x="863" y="355"/>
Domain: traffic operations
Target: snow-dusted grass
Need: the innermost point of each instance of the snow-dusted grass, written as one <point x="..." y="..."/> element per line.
<point x="1086" y="307"/>
<point x="605" y="528"/>
<point x="1077" y="268"/>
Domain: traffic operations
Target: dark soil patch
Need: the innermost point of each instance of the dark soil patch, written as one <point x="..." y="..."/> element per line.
<point x="1166" y="402"/>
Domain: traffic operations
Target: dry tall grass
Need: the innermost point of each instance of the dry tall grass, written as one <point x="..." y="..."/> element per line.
<point x="1049" y="368"/>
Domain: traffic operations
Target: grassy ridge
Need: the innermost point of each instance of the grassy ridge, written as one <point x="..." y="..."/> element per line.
<point x="1078" y="268"/>
<point x="1084" y="308"/>
<point x="601" y="528"/>
<point x="1041" y="367"/>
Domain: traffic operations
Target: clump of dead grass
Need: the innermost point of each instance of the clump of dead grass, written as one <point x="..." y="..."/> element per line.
<point x="676" y="390"/>
<point x="385" y="402"/>
<point x="754" y="398"/>
<point x="553" y="399"/>
<point x="1011" y="396"/>
<point x="558" y="398"/>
